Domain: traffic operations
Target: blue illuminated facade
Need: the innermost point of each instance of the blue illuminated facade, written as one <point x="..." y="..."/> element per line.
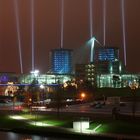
<point x="61" y="61"/>
<point x="106" y="60"/>
<point x="106" y="54"/>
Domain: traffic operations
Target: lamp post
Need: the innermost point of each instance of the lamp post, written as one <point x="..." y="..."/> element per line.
<point x="42" y="87"/>
<point x="34" y="82"/>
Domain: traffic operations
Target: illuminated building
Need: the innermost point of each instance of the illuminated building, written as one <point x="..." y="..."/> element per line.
<point x="117" y="80"/>
<point x="104" y="67"/>
<point x="61" y="61"/>
<point x="106" y="54"/>
<point x="7" y="76"/>
<point x="91" y="73"/>
<point x="46" y="78"/>
<point x="107" y="60"/>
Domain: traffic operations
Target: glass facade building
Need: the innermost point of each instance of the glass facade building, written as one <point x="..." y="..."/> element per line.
<point x="117" y="80"/>
<point x="106" y="54"/>
<point x="106" y="60"/>
<point x="61" y="61"/>
<point x="45" y="78"/>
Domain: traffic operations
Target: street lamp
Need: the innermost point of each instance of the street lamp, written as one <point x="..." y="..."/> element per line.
<point x="42" y="87"/>
<point x="83" y="95"/>
<point x="35" y="72"/>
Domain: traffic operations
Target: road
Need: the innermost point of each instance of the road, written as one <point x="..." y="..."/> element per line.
<point x="81" y="108"/>
<point x="106" y="109"/>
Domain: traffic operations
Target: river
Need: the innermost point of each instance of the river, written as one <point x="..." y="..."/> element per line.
<point x="16" y="136"/>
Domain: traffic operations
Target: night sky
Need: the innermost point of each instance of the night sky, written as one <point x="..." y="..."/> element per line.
<point x="76" y="31"/>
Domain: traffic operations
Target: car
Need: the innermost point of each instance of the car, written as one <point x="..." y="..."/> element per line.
<point x="122" y="104"/>
<point x="99" y="105"/>
<point x="3" y="101"/>
<point x="94" y="104"/>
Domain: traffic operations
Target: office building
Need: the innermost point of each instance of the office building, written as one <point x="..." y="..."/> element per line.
<point x="106" y="54"/>
<point x="61" y="61"/>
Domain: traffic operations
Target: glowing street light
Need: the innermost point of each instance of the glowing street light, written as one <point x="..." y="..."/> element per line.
<point x="42" y="86"/>
<point x="35" y="72"/>
<point x="83" y="95"/>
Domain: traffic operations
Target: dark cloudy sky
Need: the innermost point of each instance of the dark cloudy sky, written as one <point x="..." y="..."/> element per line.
<point x="76" y="31"/>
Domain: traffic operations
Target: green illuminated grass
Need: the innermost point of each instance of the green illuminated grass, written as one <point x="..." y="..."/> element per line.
<point x="93" y="125"/>
<point x="54" y="122"/>
<point x="118" y="127"/>
<point x="107" y="126"/>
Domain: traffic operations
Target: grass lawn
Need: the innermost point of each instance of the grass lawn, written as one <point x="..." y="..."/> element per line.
<point x="117" y="127"/>
<point x="52" y="123"/>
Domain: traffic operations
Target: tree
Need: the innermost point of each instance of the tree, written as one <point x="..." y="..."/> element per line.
<point x="34" y="90"/>
<point x="58" y="98"/>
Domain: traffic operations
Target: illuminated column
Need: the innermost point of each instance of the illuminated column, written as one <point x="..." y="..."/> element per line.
<point x="92" y="49"/>
<point x="92" y="44"/>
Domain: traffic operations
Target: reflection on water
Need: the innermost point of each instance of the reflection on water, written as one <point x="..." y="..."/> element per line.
<point x="16" y="136"/>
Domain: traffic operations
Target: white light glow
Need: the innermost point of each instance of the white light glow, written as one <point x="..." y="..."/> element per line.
<point x="62" y="22"/>
<point x="18" y="34"/>
<point x="39" y="123"/>
<point x="16" y="117"/>
<point x="32" y="31"/>
<point x="38" y="108"/>
<point x="91" y="18"/>
<point x="42" y="86"/>
<point x="97" y="127"/>
<point x="124" y="29"/>
<point x="35" y="72"/>
<point x="104" y="22"/>
<point x="80" y="125"/>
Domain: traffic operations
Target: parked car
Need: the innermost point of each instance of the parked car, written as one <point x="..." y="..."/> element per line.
<point x="94" y="104"/>
<point x="3" y="101"/>
<point x="122" y="104"/>
<point x="97" y="104"/>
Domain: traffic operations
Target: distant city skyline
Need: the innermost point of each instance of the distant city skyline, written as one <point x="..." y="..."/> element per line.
<point x="38" y="24"/>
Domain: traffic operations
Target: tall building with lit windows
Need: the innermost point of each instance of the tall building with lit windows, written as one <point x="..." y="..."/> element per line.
<point x="61" y="61"/>
<point x="90" y="73"/>
<point x="107" y="60"/>
<point x="106" y="54"/>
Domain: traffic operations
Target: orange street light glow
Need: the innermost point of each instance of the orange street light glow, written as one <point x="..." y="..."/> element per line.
<point x="83" y="95"/>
